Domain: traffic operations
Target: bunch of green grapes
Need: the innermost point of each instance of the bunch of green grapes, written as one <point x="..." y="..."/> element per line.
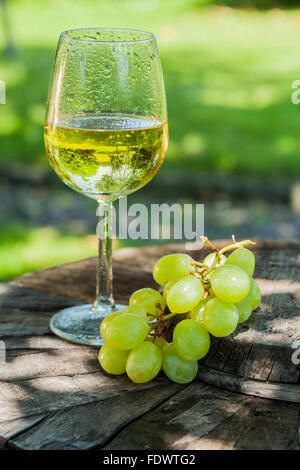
<point x="208" y="298"/>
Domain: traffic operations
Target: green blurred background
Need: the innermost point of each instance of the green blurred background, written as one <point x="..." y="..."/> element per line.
<point x="234" y="132"/>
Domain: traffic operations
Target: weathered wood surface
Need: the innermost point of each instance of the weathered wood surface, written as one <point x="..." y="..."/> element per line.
<point x="201" y="417"/>
<point x="260" y="350"/>
<point x="53" y="394"/>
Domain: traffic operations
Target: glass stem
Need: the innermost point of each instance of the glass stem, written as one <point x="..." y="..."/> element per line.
<point x="104" y="288"/>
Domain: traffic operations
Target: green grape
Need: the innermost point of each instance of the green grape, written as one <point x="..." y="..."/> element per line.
<point x="170" y="267"/>
<point x="137" y="310"/>
<point x="167" y="288"/>
<point x="169" y="285"/>
<point x="230" y="283"/>
<point x="209" y="259"/>
<point x="113" y="361"/>
<point x="185" y="294"/>
<point x="244" y="309"/>
<point x="178" y="370"/>
<point x="191" y="340"/>
<point x="243" y="258"/>
<point x="123" y="330"/>
<point x="158" y="342"/>
<point x="254" y="294"/>
<point x="220" y="318"/>
<point x="144" y="362"/>
<point x="152" y="301"/>
<point x="197" y="313"/>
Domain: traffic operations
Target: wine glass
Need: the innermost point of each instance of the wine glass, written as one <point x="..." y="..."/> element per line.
<point x="106" y="136"/>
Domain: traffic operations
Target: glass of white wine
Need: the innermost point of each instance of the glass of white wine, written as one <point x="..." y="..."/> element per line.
<point x="106" y="136"/>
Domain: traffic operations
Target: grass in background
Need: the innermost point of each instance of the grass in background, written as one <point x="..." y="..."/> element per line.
<point x="25" y="249"/>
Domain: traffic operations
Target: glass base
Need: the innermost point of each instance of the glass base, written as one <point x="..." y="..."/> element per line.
<point x="81" y="324"/>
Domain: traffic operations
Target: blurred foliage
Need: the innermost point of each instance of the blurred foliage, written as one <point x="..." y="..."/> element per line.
<point x="263" y="4"/>
<point x="24" y="249"/>
<point x="228" y="78"/>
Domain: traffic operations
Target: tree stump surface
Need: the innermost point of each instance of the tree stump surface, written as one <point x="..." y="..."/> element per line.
<point x="54" y="395"/>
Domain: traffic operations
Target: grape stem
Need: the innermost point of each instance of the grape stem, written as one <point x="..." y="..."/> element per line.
<point x="153" y="324"/>
<point x="151" y="315"/>
<point x="208" y="243"/>
<point x="170" y="315"/>
<point x="198" y="273"/>
<point x="197" y="263"/>
<point x="236" y="245"/>
<point x="163" y="340"/>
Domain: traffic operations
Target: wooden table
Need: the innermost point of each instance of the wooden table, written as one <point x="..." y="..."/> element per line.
<point x="53" y="394"/>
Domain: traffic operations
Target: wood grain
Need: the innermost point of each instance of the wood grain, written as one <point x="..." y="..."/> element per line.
<point x="271" y="390"/>
<point x="202" y="417"/>
<point x="92" y="424"/>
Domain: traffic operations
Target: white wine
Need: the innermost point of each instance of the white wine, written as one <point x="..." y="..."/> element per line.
<point x="106" y="155"/>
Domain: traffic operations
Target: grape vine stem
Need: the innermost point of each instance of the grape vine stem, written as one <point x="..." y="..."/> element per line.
<point x="163" y="340"/>
<point x="236" y="245"/>
<point x="208" y="243"/>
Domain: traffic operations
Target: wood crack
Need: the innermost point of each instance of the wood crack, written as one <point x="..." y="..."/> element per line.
<point x="17" y="434"/>
<point x="17" y="381"/>
<point x="65" y="416"/>
<point x="119" y="431"/>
